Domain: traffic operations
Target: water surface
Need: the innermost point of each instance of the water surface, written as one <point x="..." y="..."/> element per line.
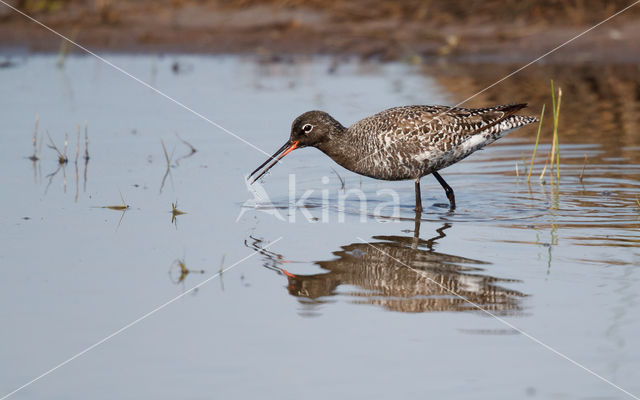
<point x="315" y="311"/>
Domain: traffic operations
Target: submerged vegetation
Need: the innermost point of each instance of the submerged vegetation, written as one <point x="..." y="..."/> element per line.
<point x="179" y="271"/>
<point x="35" y="156"/>
<point x="62" y="155"/>
<point x="120" y="207"/>
<point x="63" y="159"/>
<point x="169" y="159"/>
<point x="175" y="212"/>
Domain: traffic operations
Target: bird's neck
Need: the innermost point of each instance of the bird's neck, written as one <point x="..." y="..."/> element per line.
<point x="339" y="147"/>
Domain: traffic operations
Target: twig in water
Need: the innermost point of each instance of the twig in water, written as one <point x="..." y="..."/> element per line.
<point x="192" y="150"/>
<point x="86" y="156"/>
<point x="35" y="157"/>
<point x="84" y="180"/>
<point x="77" y="182"/>
<point x="339" y="177"/>
<point x="66" y="144"/>
<point x="64" y="178"/>
<point x="535" y="148"/>
<point x="62" y="158"/>
<point x="166" y="155"/>
<point x="40" y="148"/>
<point x="583" y="165"/>
<point x="168" y="171"/>
<point x="78" y="145"/>
<point x="86" y="141"/>
<point x="51" y="176"/>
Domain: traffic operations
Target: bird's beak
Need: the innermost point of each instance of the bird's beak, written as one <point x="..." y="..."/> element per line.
<point x="277" y="156"/>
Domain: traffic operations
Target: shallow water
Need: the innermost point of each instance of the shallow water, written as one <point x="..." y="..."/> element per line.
<point x="307" y="309"/>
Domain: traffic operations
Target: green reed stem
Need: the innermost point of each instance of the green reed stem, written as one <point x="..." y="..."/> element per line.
<point x="535" y="148"/>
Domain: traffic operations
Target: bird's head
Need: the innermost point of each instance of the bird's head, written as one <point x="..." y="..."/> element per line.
<point x="313" y="128"/>
<point x="310" y="129"/>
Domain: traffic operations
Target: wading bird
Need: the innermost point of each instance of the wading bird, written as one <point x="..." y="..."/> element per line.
<point x="403" y="143"/>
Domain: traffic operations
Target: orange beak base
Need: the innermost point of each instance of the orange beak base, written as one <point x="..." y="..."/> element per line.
<point x="277" y="156"/>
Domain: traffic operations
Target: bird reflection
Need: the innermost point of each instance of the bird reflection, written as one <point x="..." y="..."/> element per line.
<point x="378" y="273"/>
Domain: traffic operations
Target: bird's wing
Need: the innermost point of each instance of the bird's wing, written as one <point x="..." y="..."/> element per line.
<point x="435" y="126"/>
<point x="466" y="122"/>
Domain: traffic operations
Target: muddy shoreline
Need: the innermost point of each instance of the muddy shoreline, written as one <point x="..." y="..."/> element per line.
<point x="274" y="32"/>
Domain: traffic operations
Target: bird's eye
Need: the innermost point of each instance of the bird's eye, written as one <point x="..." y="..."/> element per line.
<point x="307" y="128"/>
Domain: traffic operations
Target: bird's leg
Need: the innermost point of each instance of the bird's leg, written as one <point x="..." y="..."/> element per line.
<point x="447" y="190"/>
<point x="418" y="197"/>
<point x="416" y="231"/>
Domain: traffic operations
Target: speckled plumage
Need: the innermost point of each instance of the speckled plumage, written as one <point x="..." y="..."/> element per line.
<point x="403" y="142"/>
<point x="413" y="141"/>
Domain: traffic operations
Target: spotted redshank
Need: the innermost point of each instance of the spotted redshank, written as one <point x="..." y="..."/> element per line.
<point x="403" y="143"/>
